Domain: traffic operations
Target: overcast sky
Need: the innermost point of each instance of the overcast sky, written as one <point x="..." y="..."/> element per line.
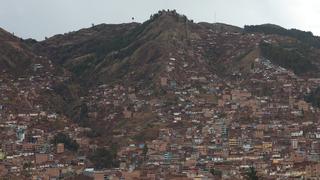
<point x="40" y="18"/>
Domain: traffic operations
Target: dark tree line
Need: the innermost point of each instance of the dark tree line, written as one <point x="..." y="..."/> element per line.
<point x="303" y="36"/>
<point x="314" y="97"/>
<point x="69" y="143"/>
<point x="251" y="174"/>
<point x="105" y="158"/>
<point x="294" y="58"/>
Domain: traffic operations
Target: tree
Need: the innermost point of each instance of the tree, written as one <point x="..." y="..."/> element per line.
<point x="83" y="116"/>
<point x="251" y="174"/>
<point x="252" y="65"/>
<point x="303" y="36"/>
<point x="314" y="97"/>
<point x="296" y="57"/>
<point x="69" y="143"/>
<point x="215" y="172"/>
<point x="145" y="150"/>
<point x="103" y="158"/>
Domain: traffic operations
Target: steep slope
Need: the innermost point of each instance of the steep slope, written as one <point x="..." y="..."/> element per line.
<point x="28" y="81"/>
<point x="109" y="53"/>
<point x="98" y="40"/>
<point x="80" y="51"/>
<point x="204" y="92"/>
<point x="303" y="36"/>
<point x="127" y="71"/>
<point x="15" y="57"/>
<point x="221" y="27"/>
<point x="157" y="51"/>
<point x="231" y="50"/>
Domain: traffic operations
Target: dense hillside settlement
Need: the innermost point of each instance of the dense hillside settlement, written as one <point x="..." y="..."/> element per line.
<point x="166" y="99"/>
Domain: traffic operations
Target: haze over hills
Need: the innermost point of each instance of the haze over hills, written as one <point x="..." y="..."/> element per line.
<point x="132" y="83"/>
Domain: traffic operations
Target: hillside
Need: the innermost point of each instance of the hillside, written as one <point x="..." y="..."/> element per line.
<point x="166" y="95"/>
<point x="14" y="55"/>
<point x="28" y="80"/>
<point x="110" y="52"/>
<point x="167" y="49"/>
<point x="303" y="36"/>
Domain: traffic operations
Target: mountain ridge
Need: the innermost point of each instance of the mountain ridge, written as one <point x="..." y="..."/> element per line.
<point x="164" y="91"/>
<point x="167" y="52"/>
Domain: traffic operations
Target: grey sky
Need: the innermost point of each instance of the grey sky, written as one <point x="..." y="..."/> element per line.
<point x="40" y="18"/>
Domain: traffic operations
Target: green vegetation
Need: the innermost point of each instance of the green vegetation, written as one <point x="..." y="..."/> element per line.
<point x="145" y="150"/>
<point x="121" y="42"/>
<point x="251" y="174"/>
<point x="215" y="172"/>
<point x="66" y="100"/>
<point x="30" y="42"/>
<point x="295" y="58"/>
<point x="69" y="143"/>
<point x="243" y="54"/>
<point x="303" y="36"/>
<point x="94" y="133"/>
<point x="147" y="134"/>
<point x="314" y="97"/>
<point x="105" y="158"/>
<point x="81" y="68"/>
<point x="67" y="90"/>
<point x="83" y="115"/>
